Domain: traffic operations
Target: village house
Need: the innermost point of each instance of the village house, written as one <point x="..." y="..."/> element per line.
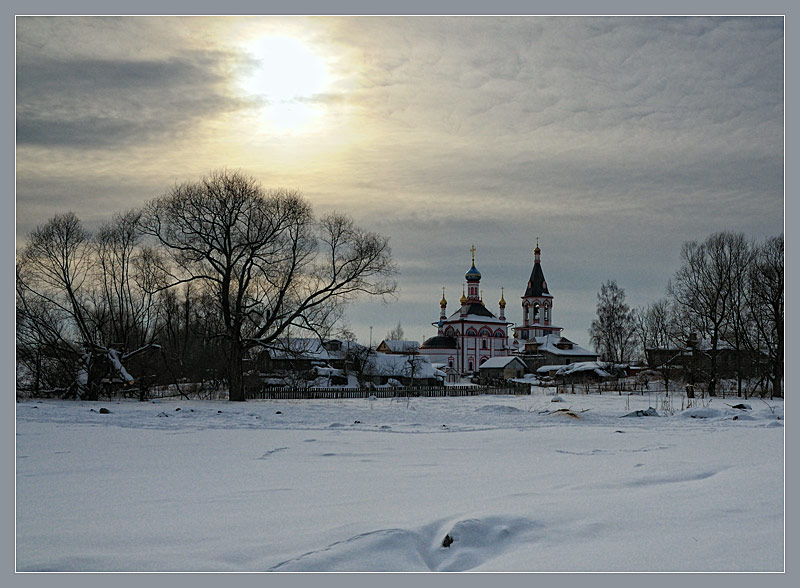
<point x="553" y="350"/>
<point x="499" y="369"/>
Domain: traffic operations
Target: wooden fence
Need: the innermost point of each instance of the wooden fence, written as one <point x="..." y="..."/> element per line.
<point x="278" y="393"/>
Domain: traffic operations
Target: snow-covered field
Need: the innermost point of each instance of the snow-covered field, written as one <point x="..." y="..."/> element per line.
<point x="362" y="485"/>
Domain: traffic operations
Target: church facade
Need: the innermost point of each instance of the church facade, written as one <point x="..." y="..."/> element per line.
<point x="472" y="334"/>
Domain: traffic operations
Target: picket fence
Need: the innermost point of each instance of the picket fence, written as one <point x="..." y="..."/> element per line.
<point x="279" y="393"/>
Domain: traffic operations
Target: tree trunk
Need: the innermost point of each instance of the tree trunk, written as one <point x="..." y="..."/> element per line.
<point x="235" y="377"/>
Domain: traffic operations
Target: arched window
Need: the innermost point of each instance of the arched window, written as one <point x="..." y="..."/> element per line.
<point x="484" y="344"/>
<point x="546" y="314"/>
<point x="471" y="332"/>
<point x="535" y="312"/>
<point x="449" y="332"/>
<point x="450" y="362"/>
<point x="471" y="366"/>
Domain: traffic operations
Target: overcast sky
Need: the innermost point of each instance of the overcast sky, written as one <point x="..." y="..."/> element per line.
<point x="613" y="140"/>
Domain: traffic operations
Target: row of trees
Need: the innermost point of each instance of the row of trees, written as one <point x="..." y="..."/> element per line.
<point x="728" y="291"/>
<point x="194" y="281"/>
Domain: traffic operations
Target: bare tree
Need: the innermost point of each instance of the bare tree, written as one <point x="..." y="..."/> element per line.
<point x="55" y="283"/>
<point x="269" y="264"/>
<point x="612" y="333"/>
<point x="739" y="325"/>
<point x="360" y="358"/>
<point x="767" y="305"/>
<point x="657" y="335"/>
<point x="129" y="275"/>
<point x="414" y="363"/>
<point x="45" y="353"/>
<point x="396" y="334"/>
<point x="703" y="289"/>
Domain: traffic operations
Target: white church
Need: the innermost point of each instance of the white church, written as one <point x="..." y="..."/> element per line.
<point x="473" y="334"/>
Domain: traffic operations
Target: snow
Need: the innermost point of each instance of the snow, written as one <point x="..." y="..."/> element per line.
<point x="499" y="362"/>
<point x="377" y="484"/>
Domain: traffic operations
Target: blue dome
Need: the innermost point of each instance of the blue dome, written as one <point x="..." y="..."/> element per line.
<point x="473" y="274"/>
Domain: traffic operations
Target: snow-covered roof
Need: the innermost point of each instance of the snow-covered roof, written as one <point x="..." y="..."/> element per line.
<point x="395" y="364"/>
<point x="548" y="343"/>
<point x="476" y="311"/>
<point x="584" y="366"/>
<point x="399" y="346"/>
<point x="499" y="362"/>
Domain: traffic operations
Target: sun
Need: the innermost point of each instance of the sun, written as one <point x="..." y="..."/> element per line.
<point x="286" y="77"/>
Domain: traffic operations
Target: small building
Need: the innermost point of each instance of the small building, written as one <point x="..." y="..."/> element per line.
<point x="553" y="350"/>
<point x="293" y="354"/>
<point x="584" y="371"/>
<point x="412" y="369"/>
<point x="450" y="374"/>
<point x="693" y="359"/>
<point x="501" y="368"/>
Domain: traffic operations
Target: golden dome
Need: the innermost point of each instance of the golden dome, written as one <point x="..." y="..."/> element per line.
<point x="443" y="302"/>
<point x="502" y="297"/>
<point x="463" y="296"/>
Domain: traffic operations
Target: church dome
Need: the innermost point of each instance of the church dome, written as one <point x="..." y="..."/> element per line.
<point x="473" y="274"/>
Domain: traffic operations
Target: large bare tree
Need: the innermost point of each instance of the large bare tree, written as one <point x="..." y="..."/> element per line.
<point x="269" y="263"/>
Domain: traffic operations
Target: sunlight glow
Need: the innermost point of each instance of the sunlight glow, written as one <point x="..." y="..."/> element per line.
<point x="287" y="76"/>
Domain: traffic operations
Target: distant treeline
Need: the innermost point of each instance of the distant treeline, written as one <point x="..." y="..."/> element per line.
<point x="722" y="317"/>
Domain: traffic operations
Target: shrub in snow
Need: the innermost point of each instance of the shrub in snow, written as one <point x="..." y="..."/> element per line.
<point x="642" y="413"/>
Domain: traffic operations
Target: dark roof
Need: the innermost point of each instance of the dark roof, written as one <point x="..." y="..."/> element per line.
<point x="474" y="308"/>
<point x="537" y="286"/>
<point x="440" y="342"/>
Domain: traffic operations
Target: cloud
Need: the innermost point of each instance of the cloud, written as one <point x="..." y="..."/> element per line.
<point x="612" y="139"/>
<point x="99" y="103"/>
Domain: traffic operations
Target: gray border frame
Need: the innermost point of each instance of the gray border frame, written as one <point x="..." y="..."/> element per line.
<point x="791" y="213"/>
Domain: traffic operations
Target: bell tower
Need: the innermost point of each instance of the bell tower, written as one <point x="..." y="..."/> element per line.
<point x="537" y="304"/>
